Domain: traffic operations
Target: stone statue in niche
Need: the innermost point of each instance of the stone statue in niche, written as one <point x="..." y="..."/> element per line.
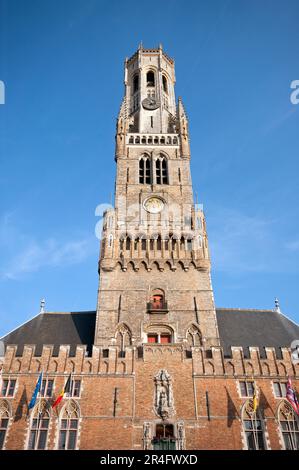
<point x="164" y="406"/>
<point x="181" y="436"/>
<point x="146" y="436"/>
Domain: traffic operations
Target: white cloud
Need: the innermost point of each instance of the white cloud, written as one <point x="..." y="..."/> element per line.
<point x="49" y="253"/>
<point x="21" y="253"/>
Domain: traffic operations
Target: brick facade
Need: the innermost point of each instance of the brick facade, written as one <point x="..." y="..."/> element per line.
<point x="157" y="374"/>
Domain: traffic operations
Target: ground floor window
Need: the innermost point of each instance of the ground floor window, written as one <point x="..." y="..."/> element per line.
<point x="254" y="434"/>
<point x="68" y="428"/>
<point x="289" y="426"/>
<point x="164" y="437"/>
<point x="39" y="426"/>
<point x="4" y="421"/>
<point x="253" y="427"/>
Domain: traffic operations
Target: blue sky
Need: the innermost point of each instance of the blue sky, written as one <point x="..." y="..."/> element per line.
<point x="62" y="65"/>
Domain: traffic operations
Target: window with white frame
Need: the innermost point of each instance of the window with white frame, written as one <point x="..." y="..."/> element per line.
<point x="253" y="427"/>
<point x="246" y="388"/>
<point x="280" y="389"/>
<point x="8" y="387"/>
<point x="4" y="421"/>
<point x="75" y="389"/>
<point x="39" y="426"/>
<point x="47" y="386"/>
<point x="289" y="426"/>
<point x="68" y="426"/>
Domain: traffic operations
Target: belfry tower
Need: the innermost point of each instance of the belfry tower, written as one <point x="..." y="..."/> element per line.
<point x="154" y="263"/>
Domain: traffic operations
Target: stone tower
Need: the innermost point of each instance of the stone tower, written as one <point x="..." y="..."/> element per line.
<point x="154" y="263"/>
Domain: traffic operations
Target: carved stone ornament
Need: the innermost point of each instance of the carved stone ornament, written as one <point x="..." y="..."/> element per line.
<point x="164" y="405"/>
<point x="146" y="436"/>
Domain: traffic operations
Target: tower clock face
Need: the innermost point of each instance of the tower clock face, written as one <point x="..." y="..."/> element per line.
<point x="150" y="103"/>
<point x="154" y="205"/>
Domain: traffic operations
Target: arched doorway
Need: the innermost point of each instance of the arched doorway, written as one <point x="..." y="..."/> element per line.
<point x="164" y="437"/>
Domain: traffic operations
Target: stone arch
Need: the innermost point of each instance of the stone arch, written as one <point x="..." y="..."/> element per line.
<point x="209" y="368"/>
<point x="181" y="265"/>
<point x="123" y="336"/>
<point x="229" y="368"/>
<point x="265" y="368"/>
<point x="150" y="78"/>
<point x="253" y="426"/>
<point x="71" y="366"/>
<point x="39" y="425"/>
<point x="145" y="169"/>
<point x="131" y="266"/>
<point x="249" y="368"/>
<point x="281" y="369"/>
<point x="155" y="265"/>
<point x="143" y="265"/>
<point x="88" y="367"/>
<point x="69" y="419"/>
<point x="5" y="417"/>
<point x="165" y="83"/>
<point x="161" y="331"/>
<point x="288" y="423"/>
<point x="157" y="298"/>
<point x="168" y="265"/>
<point x="119" y="266"/>
<point x="193" y="336"/>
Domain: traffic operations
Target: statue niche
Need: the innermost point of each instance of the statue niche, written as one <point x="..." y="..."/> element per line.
<point x="164" y="406"/>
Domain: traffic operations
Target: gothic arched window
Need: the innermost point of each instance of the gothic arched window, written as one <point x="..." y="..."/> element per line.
<point x="68" y="426"/>
<point x="143" y="243"/>
<point x="194" y="336"/>
<point x="150" y="78"/>
<point x="39" y="426"/>
<point x="161" y="170"/>
<point x="135" y="83"/>
<point x="164" y="81"/>
<point x="145" y="170"/>
<point x="289" y="426"/>
<point x="123" y="337"/>
<point x="253" y="427"/>
<point x="128" y="243"/>
<point x="4" y="420"/>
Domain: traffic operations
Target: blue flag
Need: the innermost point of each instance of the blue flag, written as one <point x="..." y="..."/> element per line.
<point x="36" y="390"/>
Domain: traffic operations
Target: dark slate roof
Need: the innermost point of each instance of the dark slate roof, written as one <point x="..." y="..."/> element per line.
<point x="73" y="328"/>
<point x="261" y="328"/>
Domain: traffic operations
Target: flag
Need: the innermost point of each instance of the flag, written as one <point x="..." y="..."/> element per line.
<point x="36" y="390"/>
<point x="291" y="397"/>
<point x="255" y="398"/>
<point x="65" y="389"/>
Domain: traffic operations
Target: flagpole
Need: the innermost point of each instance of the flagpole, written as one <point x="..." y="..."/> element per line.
<point x="254" y="412"/>
<point x="39" y="411"/>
